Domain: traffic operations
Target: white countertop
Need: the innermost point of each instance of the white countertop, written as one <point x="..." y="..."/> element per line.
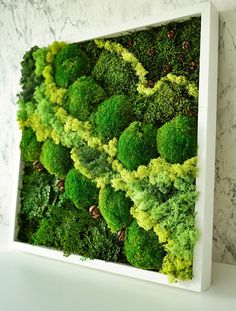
<point x="32" y="283"/>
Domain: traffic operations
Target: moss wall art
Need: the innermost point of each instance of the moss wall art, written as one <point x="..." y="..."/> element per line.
<point x="109" y="145"/>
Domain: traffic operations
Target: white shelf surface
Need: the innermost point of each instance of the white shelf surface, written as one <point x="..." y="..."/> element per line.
<point x="33" y="283"/>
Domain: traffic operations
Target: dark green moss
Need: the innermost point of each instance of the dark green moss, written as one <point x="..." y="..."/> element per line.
<point x="170" y="100"/>
<point x="56" y="158"/>
<point x="29" y="146"/>
<point x="114" y="74"/>
<point x="92" y="50"/>
<point x="70" y="63"/>
<point x="113" y="116"/>
<point x="83" y="96"/>
<point x="80" y="190"/>
<point x="28" y="80"/>
<point x="177" y="139"/>
<point x="137" y="145"/>
<point x="142" y="248"/>
<point x="115" y="208"/>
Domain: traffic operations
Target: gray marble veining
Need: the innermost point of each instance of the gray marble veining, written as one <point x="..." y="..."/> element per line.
<point x="24" y="23"/>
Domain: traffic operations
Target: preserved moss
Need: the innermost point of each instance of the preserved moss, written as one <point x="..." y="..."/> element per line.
<point x="29" y="146"/>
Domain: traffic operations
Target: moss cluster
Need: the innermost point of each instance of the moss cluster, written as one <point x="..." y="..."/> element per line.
<point x="177" y="139"/>
<point x="113" y="116"/>
<point x="142" y="248"/>
<point x="137" y="145"/>
<point x="56" y="158"/>
<point x="80" y="190"/>
<point x="114" y="74"/>
<point x="115" y="208"/>
<point x="70" y="63"/>
<point x="29" y="146"/>
<point x="83" y="96"/>
<point x="170" y="100"/>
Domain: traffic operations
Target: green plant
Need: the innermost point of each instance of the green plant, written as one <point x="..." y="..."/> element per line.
<point x="69" y="64"/>
<point x="83" y="96"/>
<point x="80" y="190"/>
<point x="137" y="145"/>
<point x="56" y="158"/>
<point x="142" y="248"/>
<point x="115" y="208"/>
<point x="29" y="146"/>
<point x="114" y="74"/>
<point x="177" y="139"/>
<point x="113" y="116"/>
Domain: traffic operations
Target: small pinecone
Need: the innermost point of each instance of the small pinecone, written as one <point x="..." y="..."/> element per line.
<point x="38" y="166"/>
<point x="167" y="68"/>
<point x="130" y="44"/>
<point x="193" y="65"/>
<point x="121" y="235"/>
<point x="61" y="185"/>
<point x="170" y="34"/>
<point x="94" y="211"/>
<point x="150" y="84"/>
<point x="186" y="45"/>
<point x="151" y="52"/>
<point x="181" y="58"/>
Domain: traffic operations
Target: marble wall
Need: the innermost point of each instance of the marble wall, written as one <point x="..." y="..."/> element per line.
<point x="24" y="23"/>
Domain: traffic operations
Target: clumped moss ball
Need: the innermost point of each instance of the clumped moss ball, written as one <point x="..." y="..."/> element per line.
<point x="70" y="63"/>
<point x="82" y="96"/>
<point x="114" y="74"/>
<point x="115" y="208"/>
<point x="142" y="248"/>
<point x="177" y="139"/>
<point x="113" y="116"/>
<point x="29" y="146"/>
<point x="56" y="159"/>
<point x="80" y="190"/>
<point x="137" y="145"/>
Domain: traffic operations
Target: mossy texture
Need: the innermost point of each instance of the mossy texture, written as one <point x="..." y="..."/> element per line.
<point x="113" y="116"/>
<point x="142" y="248"/>
<point x="29" y="146"/>
<point x="80" y="190"/>
<point x="56" y="159"/>
<point x="70" y="63"/>
<point x="137" y="145"/>
<point x="83" y="96"/>
<point x="114" y="74"/>
<point x="115" y="208"/>
<point x="177" y="139"/>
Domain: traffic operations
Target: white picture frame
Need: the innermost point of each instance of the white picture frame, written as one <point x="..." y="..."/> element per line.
<point x="206" y="155"/>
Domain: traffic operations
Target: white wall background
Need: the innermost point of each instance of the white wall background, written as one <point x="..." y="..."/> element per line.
<point x="24" y="23"/>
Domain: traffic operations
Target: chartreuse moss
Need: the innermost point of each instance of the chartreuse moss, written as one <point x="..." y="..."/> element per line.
<point x="115" y="208"/>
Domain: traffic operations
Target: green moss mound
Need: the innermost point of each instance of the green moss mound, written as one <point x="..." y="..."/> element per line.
<point x="56" y="159"/>
<point x="113" y="116"/>
<point x="142" y="248"/>
<point x="170" y="100"/>
<point x="83" y="96"/>
<point x="70" y="63"/>
<point x="80" y="190"/>
<point x="115" y="208"/>
<point x="177" y="139"/>
<point x="29" y="146"/>
<point x="114" y="74"/>
<point x="137" y="145"/>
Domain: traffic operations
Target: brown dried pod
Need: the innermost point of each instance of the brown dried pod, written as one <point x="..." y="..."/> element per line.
<point x="181" y="58"/>
<point x="94" y="211"/>
<point x="186" y="45"/>
<point x="130" y="44"/>
<point x="38" y="166"/>
<point x="167" y="68"/>
<point x="193" y="65"/>
<point x="170" y="34"/>
<point x="150" y="83"/>
<point x="151" y="52"/>
<point x="61" y="185"/>
<point x="121" y="235"/>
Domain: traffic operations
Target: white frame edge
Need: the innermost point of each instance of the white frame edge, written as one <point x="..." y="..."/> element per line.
<point x="206" y="157"/>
